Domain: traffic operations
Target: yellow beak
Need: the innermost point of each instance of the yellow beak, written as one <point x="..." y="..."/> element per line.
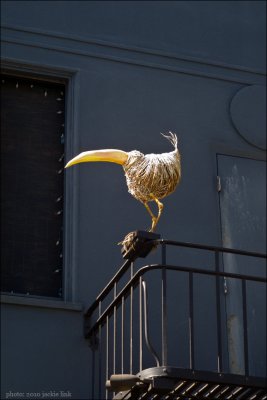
<point x="108" y="155"/>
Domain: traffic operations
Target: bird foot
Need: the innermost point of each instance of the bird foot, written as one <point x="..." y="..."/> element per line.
<point x="154" y="224"/>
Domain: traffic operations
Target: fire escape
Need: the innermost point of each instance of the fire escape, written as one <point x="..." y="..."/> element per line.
<point x="130" y="360"/>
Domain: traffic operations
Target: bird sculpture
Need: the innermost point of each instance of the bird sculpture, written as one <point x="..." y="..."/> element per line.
<point x="149" y="177"/>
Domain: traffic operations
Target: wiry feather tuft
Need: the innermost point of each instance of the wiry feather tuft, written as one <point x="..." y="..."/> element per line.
<point x="172" y="138"/>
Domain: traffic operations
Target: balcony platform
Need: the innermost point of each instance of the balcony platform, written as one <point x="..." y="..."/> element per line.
<point x="170" y="383"/>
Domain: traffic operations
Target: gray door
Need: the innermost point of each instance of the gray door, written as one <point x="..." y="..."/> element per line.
<point x="243" y="224"/>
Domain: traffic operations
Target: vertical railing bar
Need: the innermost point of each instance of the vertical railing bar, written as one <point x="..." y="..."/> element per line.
<point x="191" y="321"/>
<point x="245" y="325"/>
<point x="99" y="352"/>
<point x="218" y="305"/>
<point x="114" y="329"/>
<point x="131" y="324"/>
<point x="99" y="359"/>
<point x="140" y="326"/>
<point x="164" y="306"/>
<point x="122" y="335"/>
<point x="107" y="352"/>
<point x="163" y="254"/>
<point x="164" y="318"/>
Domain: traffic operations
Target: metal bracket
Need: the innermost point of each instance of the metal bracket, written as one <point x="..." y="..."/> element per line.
<point x="121" y="382"/>
<point x="147" y="339"/>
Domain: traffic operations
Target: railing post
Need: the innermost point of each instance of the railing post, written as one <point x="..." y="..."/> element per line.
<point x="131" y="322"/>
<point x="191" y="321"/>
<point x="245" y="325"/>
<point x="140" y="326"/>
<point x="114" y="329"/>
<point x="122" y="334"/>
<point x="107" y="352"/>
<point x="100" y="352"/>
<point x="164" y="307"/>
<point x="218" y="305"/>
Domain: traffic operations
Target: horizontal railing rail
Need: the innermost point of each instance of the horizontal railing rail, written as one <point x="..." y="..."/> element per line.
<point x="126" y="265"/>
<point x="213" y="248"/>
<point x="133" y="282"/>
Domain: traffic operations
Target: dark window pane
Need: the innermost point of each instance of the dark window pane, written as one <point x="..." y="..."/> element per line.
<point x="32" y="145"/>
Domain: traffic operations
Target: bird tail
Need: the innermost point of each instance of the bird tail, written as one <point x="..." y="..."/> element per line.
<point x="172" y="138"/>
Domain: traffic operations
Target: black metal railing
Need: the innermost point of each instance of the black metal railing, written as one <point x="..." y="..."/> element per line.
<point x="118" y="328"/>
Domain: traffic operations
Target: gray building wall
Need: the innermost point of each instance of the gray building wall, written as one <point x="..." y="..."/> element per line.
<point x="134" y="69"/>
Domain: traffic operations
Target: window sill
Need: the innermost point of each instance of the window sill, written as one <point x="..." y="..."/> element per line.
<point x="38" y="302"/>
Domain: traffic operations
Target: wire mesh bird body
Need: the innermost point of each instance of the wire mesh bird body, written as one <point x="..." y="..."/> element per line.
<point x="152" y="176"/>
<point x="149" y="177"/>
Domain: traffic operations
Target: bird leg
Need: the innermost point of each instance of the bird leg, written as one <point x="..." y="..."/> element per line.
<point x="155" y="220"/>
<point x="160" y="208"/>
